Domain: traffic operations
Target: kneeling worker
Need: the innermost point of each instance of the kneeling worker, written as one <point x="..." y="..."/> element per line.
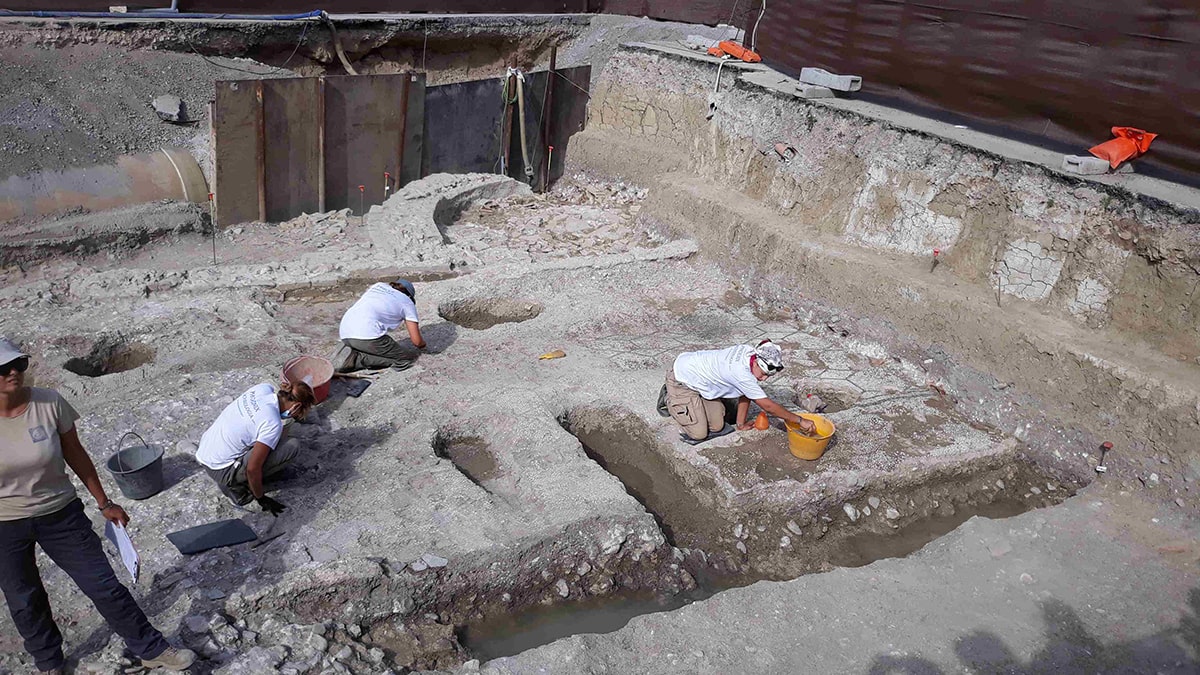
<point x="364" y="328"/>
<point x="699" y="380"/>
<point x="243" y="446"/>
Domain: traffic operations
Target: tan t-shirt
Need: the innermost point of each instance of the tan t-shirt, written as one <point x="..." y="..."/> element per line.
<point x="33" y="473"/>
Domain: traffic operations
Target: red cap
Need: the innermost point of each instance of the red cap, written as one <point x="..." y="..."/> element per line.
<point x="362" y="187"/>
<point x="1106" y="445"/>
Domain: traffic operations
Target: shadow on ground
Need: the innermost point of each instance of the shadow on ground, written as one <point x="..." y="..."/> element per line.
<point x="306" y="487"/>
<point x="1069" y="648"/>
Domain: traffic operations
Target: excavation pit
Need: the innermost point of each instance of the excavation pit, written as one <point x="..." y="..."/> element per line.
<point x="470" y="455"/>
<point x="484" y="313"/>
<point x="110" y="355"/>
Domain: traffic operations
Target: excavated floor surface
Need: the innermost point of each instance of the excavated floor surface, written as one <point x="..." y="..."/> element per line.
<point x="458" y="491"/>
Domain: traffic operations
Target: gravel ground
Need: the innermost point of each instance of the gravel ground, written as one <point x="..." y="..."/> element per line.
<point x="86" y="104"/>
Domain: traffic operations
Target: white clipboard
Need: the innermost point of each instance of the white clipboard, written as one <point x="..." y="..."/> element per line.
<point x="119" y="536"/>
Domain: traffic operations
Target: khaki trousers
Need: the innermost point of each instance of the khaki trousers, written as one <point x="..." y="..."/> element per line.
<point x="697" y="415"/>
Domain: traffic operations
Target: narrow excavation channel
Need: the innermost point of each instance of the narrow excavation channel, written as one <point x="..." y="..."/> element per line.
<point x="686" y="507"/>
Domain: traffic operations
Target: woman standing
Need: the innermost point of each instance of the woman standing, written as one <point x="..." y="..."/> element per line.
<point x="38" y="505"/>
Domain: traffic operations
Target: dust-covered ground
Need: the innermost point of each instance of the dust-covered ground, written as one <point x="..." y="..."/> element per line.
<point x="482" y="481"/>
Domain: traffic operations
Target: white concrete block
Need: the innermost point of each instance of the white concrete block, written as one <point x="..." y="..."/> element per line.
<point x="813" y="91"/>
<point x="824" y="78"/>
<point x="1086" y="165"/>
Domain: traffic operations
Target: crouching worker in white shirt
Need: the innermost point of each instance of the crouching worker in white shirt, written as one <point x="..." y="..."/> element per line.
<point x="244" y="446"/>
<point x="364" y="328"/>
<point x="698" y="382"/>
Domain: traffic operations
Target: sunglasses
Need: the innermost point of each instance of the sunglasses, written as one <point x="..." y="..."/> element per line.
<point x="20" y="365"/>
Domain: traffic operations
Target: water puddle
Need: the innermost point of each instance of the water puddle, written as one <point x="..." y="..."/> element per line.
<point x="513" y="634"/>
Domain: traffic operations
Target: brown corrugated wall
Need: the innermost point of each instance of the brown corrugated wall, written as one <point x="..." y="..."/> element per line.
<point x="1057" y="71"/>
<point x="1054" y="72"/>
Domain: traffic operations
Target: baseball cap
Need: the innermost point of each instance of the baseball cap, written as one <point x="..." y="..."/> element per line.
<point x="9" y="351"/>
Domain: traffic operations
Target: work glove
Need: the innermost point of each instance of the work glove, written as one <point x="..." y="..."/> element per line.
<point x="271" y="506"/>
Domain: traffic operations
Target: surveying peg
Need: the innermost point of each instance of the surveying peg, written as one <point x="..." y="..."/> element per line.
<point x="1104" y="448"/>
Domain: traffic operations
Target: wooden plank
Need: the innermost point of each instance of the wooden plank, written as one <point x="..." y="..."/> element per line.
<point x="235" y="138"/>
<point x="260" y="150"/>
<point x="292" y="150"/>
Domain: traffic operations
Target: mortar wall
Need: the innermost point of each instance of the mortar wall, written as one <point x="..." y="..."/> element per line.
<point x="1098" y="305"/>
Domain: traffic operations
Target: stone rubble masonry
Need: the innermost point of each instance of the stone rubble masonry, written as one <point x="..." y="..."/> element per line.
<point x="886" y="188"/>
<point x="1096" y="283"/>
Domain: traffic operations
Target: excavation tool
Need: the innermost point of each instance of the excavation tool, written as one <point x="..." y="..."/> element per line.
<point x="1104" y="448"/>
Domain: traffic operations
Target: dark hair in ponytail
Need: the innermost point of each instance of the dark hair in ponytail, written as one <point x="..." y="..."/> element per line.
<point x="301" y="393"/>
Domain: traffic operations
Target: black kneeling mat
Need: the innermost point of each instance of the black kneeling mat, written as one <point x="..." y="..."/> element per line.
<point x="725" y="431"/>
<point x="212" y="535"/>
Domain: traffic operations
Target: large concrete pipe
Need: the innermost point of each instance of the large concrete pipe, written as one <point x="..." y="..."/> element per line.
<point x="170" y="173"/>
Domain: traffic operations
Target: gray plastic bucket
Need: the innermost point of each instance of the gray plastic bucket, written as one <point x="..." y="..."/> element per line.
<point x="137" y="469"/>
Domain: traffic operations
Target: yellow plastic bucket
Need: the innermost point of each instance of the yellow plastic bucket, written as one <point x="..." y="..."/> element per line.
<point x="810" y="447"/>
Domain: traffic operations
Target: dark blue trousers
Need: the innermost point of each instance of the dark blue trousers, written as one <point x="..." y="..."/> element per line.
<point x="67" y="537"/>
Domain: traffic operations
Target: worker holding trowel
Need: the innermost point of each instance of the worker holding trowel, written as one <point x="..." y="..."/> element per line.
<point x="245" y="444"/>
<point x="699" y="381"/>
<point x="364" y="328"/>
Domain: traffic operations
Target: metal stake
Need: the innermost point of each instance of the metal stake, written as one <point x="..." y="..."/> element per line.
<point x="362" y="200"/>
<point x="212" y="218"/>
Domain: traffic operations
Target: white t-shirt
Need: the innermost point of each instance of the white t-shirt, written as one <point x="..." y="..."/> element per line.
<point x="378" y="311"/>
<point x="719" y="373"/>
<point x="253" y="417"/>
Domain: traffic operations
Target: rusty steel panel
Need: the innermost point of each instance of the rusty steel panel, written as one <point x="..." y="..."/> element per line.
<point x="343" y="7"/>
<point x="363" y="125"/>
<point x="709" y="12"/>
<point x="463" y="123"/>
<point x="700" y="11"/>
<point x="314" y="144"/>
<point x="1058" y="73"/>
<point x="235" y="147"/>
<point x="292" y="152"/>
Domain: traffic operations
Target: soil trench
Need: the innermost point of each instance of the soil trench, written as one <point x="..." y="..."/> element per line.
<point x="723" y="546"/>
